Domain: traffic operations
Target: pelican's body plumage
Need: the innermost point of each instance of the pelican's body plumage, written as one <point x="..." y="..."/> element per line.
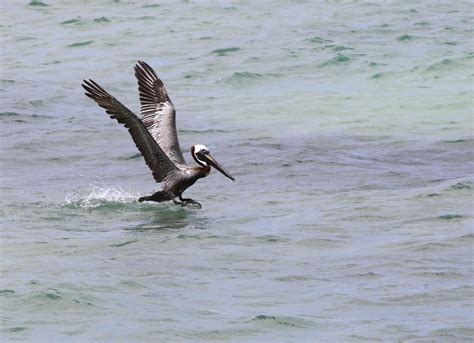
<point x="156" y="137"/>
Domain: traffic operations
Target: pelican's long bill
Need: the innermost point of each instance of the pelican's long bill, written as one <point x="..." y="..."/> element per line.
<point x="216" y="165"/>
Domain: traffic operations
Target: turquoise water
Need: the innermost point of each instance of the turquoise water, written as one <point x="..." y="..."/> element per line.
<point x="348" y="126"/>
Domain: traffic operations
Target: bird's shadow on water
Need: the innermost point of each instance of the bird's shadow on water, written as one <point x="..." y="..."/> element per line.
<point x="170" y="217"/>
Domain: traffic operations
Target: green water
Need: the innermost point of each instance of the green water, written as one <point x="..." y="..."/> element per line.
<point x="348" y="126"/>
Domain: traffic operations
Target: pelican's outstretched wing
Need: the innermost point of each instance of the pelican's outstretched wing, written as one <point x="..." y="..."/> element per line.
<point x="158" y="112"/>
<point x="159" y="163"/>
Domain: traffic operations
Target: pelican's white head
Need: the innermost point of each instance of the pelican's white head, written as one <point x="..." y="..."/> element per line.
<point x="203" y="157"/>
<point x="198" y="151"/>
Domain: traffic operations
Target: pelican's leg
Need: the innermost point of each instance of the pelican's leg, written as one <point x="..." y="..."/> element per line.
<point x="189" y="201"/>
<point x="178" y="202"/>
<point x="185" y="202"/>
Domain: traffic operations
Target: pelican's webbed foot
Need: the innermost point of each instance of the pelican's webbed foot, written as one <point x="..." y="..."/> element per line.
<point x="185" y="202"/>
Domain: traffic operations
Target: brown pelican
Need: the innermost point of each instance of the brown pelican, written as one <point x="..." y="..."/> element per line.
<point x="156" y="137"/>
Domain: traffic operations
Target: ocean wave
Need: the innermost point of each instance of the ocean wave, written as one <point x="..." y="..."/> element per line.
<point x="79" y="44"/>
<point x="245" y="77"/>
<point x="225" y="51"/>
<point x="338" y="60"/>
<point x="37" y="3"/>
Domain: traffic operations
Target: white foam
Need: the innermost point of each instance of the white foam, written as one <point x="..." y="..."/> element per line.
<point x="96" y="196"/>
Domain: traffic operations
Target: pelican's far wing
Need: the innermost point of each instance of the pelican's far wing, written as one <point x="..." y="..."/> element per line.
<point x="155" y="158"/>
<point x="158" y="112"/>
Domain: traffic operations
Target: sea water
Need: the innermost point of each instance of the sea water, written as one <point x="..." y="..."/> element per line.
<point x="347" y="125"/>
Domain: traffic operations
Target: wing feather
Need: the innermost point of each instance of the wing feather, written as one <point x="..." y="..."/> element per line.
<point x="158" y="112"/>
<point x="156" y="159"/>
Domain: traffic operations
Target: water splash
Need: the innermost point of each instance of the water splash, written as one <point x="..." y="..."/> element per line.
<point x="99" y="196"/>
